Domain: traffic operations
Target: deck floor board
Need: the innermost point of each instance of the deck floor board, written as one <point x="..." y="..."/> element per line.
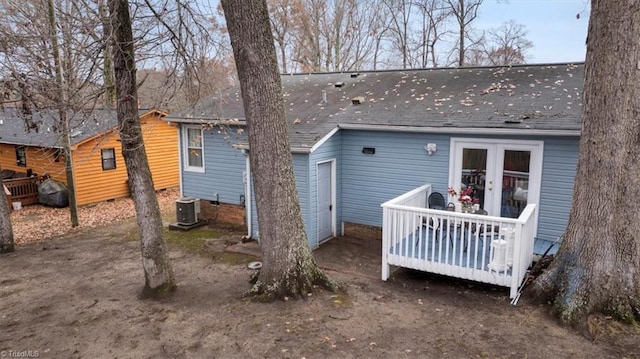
<point x="423" y="244"/>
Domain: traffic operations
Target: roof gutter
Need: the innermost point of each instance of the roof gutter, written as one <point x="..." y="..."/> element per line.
<point x="204" y="121"/>
<point x="245" y="146"/>
<point x="12" y="143"/>
<point x="461" y="130"/>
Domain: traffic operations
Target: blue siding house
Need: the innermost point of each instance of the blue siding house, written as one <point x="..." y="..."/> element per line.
<point x="509" y="134"/>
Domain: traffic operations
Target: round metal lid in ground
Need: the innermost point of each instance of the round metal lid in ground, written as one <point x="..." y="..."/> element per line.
<point x="254" y="265"/>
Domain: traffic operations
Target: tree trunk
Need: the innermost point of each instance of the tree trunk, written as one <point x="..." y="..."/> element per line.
<point x="63" y="103"/>
<point x="289" y="269"/>
<point x="461" y="49"/>
<point x="597" y="268"/>
<point x="68" y="170"/>
<point x="6" y="231"/>
<point x="109" y="88"/>
<point x="159" y="279"/>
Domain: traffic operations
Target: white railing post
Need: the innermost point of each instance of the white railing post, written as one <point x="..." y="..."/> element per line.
<point x="386" y="233"/>
<point x="516" y="278"/>
<point x="521" y="248"/>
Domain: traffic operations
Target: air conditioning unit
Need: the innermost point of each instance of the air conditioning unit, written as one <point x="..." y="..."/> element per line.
<point x="187" y="210"/>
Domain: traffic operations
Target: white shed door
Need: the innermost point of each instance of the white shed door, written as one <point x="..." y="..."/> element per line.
<point x="324" y="203"/>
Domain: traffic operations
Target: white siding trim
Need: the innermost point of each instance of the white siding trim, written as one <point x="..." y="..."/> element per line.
<point x="180" y="160"/>
<point x="324" y="139"/>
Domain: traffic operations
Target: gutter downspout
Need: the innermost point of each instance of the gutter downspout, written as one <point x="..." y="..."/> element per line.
<point x="247" y="192"/>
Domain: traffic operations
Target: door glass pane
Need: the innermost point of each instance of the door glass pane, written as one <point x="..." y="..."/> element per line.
<point x="515" y="183"/>
<point x="474" y="170"/>
<point x="194" y="146"/>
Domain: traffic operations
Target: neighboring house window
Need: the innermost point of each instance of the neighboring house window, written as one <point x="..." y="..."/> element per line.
<point x="193" y="147"/>
<point x="56" y="155"/>
<point x="108" y="159"/>
<point x="21" y="156"/>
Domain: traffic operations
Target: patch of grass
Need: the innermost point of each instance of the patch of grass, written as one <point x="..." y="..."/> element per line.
<point x="191" y="241"/>
<point x="132" y="235"/>
<point x="194" y="241"/>
<point x="196" y="233"/>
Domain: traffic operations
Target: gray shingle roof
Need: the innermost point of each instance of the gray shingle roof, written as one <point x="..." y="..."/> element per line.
<point x="518" y="98"/>
<point x="83" y="125"/>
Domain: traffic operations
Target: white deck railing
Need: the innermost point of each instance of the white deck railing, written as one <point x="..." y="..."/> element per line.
<point x="480" y="248"/>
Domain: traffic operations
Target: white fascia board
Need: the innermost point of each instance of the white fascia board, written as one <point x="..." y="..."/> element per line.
<point x="324" y="139"/>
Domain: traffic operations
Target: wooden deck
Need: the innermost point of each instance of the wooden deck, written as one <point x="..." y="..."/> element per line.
<point x="23" y="190"/>
<point x="493" y="250"/>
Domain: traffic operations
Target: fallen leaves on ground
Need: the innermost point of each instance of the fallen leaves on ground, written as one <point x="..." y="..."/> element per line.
<point x="37" y="223"/>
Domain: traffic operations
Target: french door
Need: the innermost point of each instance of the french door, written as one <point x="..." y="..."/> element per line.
<point x="504" y="175"/>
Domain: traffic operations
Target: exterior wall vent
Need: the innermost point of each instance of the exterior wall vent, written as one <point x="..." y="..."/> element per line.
<point x="357" y="100"/>
<point x="354" y="75"/>
<point x="339" y="84"/>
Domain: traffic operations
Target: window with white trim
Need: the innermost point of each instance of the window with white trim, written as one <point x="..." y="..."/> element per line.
<point x="193" y="149"/>
<point x="108" y="159"/>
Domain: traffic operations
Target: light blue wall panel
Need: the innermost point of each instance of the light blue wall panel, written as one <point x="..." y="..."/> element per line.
<point x="364" y="181"/>
<point x="558" y="174"/>
<point x="330" y="150"/>
<point x="301" y="171"/>
<point x="224" y="166"/>
<point x="400" y="164"/>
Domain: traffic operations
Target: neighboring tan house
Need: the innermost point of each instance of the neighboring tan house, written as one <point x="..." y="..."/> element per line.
<point x="370" y="147"/>
<point x="35" y="147"/>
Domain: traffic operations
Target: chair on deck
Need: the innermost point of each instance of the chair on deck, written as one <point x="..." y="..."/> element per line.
<point x="434" y="201"/>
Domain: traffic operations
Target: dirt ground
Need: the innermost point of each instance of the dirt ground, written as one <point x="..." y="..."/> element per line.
<point x="75" y="296"/>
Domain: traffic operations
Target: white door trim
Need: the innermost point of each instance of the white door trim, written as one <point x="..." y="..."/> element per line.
<point x="333" y="200"/>
<point x="495" y="164"/>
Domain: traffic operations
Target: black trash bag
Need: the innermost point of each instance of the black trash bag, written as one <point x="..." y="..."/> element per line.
<point x="53" y="193"/>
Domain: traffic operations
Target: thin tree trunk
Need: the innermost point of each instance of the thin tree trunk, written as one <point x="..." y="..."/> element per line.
<point x="159" y="278"/>
<point x="6" y="230"/>
<point x="68" y="170"/>
<point x="597" y="268"/>
<point x="62" y="110"/>
<point x="376" y="53"/>
<point x="461" y="49"/>
<point x="283" y="51"/>
<point x="110" y="91"/>
<point x="289" y="269"/>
